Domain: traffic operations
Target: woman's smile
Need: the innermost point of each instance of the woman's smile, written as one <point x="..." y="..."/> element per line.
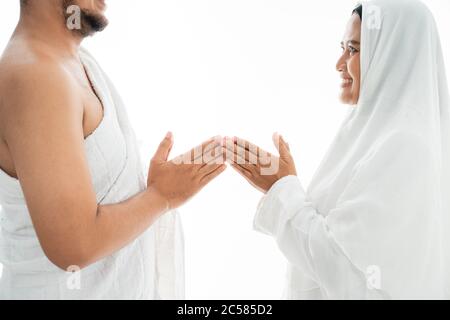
<point x="346" y="83"/>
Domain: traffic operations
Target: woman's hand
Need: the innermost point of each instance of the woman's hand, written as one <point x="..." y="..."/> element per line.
<point x="179" y="180"/>
<point x="260" y="168"/>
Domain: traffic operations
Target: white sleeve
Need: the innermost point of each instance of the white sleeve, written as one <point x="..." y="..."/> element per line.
<point x="306" y="241"/>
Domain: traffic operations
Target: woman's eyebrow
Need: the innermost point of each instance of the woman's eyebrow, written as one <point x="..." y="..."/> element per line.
<point x="353" y="42"/>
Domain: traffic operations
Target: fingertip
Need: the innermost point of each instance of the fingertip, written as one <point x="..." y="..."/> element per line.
<point x="169" y="136"/>
<point x="277" y="137"/>
<point x="219" y="140"/>
<point x="228" y="141"/>
<point x="276" y="140"/>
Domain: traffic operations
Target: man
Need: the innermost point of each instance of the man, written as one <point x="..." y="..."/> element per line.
<point x="81" y="203"/>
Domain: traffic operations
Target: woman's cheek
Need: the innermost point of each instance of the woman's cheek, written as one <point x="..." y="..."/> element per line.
<point x="353" y="67"/>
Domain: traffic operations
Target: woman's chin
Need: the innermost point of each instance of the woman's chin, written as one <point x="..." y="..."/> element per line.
<point x="348" y="98"/>
<point x="344" y="99"/>
<point x="349" y="102"/>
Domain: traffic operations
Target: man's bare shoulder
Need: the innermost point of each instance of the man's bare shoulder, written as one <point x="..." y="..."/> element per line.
<point x="32" y="83"/>
<point x="21" y="70"/>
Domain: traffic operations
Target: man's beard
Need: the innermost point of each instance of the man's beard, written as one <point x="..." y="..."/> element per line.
<point x="90" y="21"/>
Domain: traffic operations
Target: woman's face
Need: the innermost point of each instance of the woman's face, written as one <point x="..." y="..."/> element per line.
<point x="349" y="63"/>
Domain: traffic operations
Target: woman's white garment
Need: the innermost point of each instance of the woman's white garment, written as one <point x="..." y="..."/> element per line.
<point x="151" y="267"/>
<point x="374" y="222"/>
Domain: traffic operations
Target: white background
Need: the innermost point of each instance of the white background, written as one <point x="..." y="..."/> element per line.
<point x="238" y="67"/>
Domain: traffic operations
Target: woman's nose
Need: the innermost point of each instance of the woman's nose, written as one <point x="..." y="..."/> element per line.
<point x="341" y="64"/>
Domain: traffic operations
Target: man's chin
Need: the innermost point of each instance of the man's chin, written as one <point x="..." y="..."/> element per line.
<point x="92" y="23"/>
<point x="98" y="22"/>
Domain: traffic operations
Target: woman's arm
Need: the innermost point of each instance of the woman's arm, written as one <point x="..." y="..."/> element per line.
<point x="306" y="241"/>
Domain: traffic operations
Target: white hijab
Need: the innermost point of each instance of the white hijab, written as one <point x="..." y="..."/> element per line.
<point x="384" y="185"/>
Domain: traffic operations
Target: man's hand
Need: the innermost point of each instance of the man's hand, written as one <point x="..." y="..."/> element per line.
<point x="260" y="168"/>
<point x="179" y="180"/>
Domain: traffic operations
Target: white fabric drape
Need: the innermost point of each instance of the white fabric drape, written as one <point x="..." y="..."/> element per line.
<point x="374" y="221"/>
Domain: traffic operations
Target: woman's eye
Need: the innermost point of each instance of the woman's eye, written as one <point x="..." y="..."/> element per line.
<point x="352" y="50"/>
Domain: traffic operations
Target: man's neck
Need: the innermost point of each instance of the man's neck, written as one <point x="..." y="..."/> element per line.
<point x="46" y="25"/>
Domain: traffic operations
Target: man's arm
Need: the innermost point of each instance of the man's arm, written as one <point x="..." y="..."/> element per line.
<point x="42" y="124"/>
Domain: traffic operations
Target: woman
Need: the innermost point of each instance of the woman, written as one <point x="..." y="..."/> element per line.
<point x="374" y="222"/>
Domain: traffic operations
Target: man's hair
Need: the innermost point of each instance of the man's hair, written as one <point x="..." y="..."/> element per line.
<point x="23" y="3"/>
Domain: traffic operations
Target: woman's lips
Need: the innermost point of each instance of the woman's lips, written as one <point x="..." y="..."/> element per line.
<point x="346" y="83"/>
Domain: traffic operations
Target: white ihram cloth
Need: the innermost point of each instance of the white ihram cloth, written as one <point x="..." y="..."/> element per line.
<point x="151" y="267"/>
<point x="374" y="222"/>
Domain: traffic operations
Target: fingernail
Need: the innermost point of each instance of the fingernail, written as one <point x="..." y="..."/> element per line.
<point x="169" y="135"/>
